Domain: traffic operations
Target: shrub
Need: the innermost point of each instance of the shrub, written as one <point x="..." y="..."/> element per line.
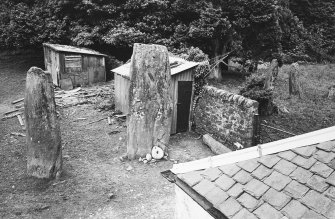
<point x="254" y="89"/>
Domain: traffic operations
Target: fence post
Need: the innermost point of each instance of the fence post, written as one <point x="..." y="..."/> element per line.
<point x="256" y="130"/>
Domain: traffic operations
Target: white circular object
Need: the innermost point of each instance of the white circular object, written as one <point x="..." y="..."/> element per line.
<point x="148" y="157"/>
<point x="157" y="153"/>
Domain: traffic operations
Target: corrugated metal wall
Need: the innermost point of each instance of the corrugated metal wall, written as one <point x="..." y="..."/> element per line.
<point x="121" y="87"/>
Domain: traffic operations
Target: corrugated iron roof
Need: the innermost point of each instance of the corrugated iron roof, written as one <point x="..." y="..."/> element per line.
<point x="177" y="65"/>
<point x="72" y="49"/>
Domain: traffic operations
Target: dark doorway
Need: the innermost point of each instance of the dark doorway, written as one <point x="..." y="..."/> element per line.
<point x="183" y="105"/>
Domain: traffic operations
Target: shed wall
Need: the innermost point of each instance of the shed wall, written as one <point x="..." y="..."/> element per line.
<point x="92" y="67"/>
<point x="184" y="76"/>
<point x="121" y="88"/>
<point x="51" y="62"/>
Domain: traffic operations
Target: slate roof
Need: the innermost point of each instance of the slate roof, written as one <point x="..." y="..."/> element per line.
<point x="298" y="183"/>
<point x="178" y="65"/>
<point x="72" y="49"/>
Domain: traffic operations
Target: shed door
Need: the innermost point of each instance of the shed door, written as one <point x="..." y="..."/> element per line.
<point x="183" y="105"/>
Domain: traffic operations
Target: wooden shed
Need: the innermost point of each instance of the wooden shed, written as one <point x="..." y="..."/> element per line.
<point x="182" y="77"/>
<point x="73" y="66"/>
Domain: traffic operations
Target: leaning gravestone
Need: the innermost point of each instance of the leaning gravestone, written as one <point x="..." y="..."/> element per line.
<point x="44" y="151"/>
<point x="150" y="101"/>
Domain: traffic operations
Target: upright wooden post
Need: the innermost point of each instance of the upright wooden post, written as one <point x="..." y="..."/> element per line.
<point x="294" y="81"/>
<point x="150" y="100"/>
<point x="44" y="151"/>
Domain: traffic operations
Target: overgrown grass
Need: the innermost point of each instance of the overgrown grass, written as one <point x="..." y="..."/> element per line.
<point x="314" y="111"/>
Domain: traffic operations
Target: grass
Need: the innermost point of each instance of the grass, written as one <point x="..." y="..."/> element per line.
<point x="313" y="112"/>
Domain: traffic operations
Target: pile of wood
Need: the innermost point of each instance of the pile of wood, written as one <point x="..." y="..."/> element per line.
<point x="16" y="112"/>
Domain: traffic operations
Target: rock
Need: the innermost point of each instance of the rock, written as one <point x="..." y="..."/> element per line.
<point x="145" y="161"/>
<point x="148" y="157"/>
<point x="129" y="168"/>
<point x="140" y="159"/>
<point x="111" y="196"/>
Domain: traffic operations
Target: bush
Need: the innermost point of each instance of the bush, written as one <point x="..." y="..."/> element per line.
<point x="254" y="89"/>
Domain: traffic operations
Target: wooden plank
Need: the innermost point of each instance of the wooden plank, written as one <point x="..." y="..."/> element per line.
<point x="310" y="138"/>
<point x="11" y="111"/>
<point x="18" y="100"/>
<point x="20" y="120"/>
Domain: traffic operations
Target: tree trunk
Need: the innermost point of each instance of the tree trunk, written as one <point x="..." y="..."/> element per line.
<point x="294" y="82"/>
<point x="218" y="51"/>
<point x="150" y="100"/>
<point x="214" y="145"/>
<point x="272" y="74"/>
<point x="44" y="152"/>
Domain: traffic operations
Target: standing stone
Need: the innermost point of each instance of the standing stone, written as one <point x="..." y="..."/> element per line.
<point x="150" y="100"/>
<point x="331" y="93"/>
<point x="44" y="152"/>
<point x="294" y="80"/>
<point x="272" y="74"/>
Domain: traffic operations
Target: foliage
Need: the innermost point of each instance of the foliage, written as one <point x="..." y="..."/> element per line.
<point x="254" y="89"/>
<point x="257" y="29"/>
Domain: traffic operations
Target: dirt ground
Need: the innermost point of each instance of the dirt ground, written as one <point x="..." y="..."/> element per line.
<point x="94" y="183"/>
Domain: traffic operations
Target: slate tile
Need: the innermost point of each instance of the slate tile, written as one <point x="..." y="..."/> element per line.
<point x="316" y="201"/>
<point x="269" y="160"/>
<point x="265" y="211"/>
<point x="317" y="183"/>
<point x="330" y="193"/>
<point x="204" y="186"/>
<point x="294" y="209"/>
<point x="331" y="179"/>
<point x="295" y="189"/>
<point x="256" y="188"/>
<point x="248" y="165"/>
<point x="236" y="190"/>
<point x="301" y="175"/>
<point x="261" y="172"/>
<point x="287" y="155"/>
<point x="303" y="162"/>
<point x="277" y="180"/>
<point x="326" y="146"/>
<point x="312" y="215"/>
<point x="224" y="182"/>
<point x="211" y="173"/>
<point x="331" y="164"/>
<point x="330" y="213"/>
<point x="285" y="167"/>
<point x="230" y="169"/>
<point x="321" y="169"/>
<point x="306" y="151"/>
<point x="248" y="201"/>
<point x="216" y="196"/>
<point x="323" y="156"/>
<point x="230" y="207"/>
<point x="244" y="214"/>
<point x="242" y="177"/>
<point x="191" y="178"/>
<point x="276" y="199"/>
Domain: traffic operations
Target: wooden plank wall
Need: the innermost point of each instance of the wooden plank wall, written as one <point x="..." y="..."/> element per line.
<point x="122" y="86"/>
<point x="183" y="76"/>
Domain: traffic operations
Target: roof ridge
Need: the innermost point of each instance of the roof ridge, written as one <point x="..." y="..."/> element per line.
<point x="306" y="139"/>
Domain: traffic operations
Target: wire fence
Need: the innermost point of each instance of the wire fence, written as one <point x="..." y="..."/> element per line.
<point x="265" y="133"/>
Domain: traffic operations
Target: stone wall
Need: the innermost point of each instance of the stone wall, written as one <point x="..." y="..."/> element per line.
<point x="228" y="117"/>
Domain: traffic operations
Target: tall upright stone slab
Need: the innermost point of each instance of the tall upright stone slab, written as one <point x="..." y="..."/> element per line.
<point x="44" y="150"/>
<point x="150" y="100"/>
